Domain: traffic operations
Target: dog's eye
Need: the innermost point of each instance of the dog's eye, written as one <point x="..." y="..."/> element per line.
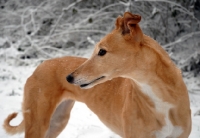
<point x="102" y="52"/>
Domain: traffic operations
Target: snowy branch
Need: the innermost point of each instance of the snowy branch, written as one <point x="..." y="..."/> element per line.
<point x="181" y="39"/>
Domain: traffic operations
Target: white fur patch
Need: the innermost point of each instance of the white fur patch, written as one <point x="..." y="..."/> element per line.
<point x="162" y="107"/>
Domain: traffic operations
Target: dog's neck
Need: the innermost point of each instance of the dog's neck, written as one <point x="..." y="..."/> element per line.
<point x="154" y="67"/>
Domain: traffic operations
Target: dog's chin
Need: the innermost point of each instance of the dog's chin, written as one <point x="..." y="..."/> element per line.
<point x="93" y="83"/>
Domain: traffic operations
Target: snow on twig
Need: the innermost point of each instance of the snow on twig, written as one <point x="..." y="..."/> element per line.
<point x="76" y="31"/>
<point x="99" y="12"/>
<point x="59" y="18"/>
<point x="183" y="9"/>
<point x="181" y="39"/>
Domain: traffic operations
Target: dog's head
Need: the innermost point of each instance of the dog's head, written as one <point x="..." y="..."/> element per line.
<point x="113" y="56"/>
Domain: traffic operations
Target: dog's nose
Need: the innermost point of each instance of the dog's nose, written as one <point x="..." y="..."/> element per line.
<point x="70" y="78"/>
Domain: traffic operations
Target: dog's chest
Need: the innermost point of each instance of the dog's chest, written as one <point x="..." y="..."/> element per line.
<point x="162" y="107"/>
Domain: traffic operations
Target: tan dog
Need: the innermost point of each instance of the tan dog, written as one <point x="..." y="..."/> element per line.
<point x="150" y="101"/>
<point x="156" y="102"/>
<point x="47" y="99"/>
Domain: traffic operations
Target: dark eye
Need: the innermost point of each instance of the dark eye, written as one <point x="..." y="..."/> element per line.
<point x="102" y="52"/>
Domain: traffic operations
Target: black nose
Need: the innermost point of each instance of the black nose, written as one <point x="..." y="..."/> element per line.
<point x="70" y="78"/>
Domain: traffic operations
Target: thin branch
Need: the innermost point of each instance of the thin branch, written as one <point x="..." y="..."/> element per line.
<point x="59" y="18"/>
<point x="173" y="3"/>
<point x="99" y="11"/>
<point x="52" y="48"/>
<point x="71" y="5"/>
<point x="181" y="39"/>
<point x="78" y="31"/>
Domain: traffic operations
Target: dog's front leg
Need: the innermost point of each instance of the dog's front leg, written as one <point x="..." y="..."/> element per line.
<point x="133" y="124"/>
<point x="129" y="130"/>
<point x="60" y="118"/>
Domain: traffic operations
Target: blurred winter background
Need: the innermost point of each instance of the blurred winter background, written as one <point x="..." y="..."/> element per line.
<point x="34" y="30"/>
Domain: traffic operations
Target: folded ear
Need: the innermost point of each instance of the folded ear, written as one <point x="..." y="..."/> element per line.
<point x="130" y="21"/>
<point x="129" y="25"/>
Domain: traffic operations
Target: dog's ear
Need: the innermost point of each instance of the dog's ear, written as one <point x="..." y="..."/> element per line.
<point x="130" y="22"/>
<point x="119" y="22"/>
<point x="129" y="25"/>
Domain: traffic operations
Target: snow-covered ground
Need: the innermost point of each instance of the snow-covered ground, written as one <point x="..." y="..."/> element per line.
<point x="83" y="123"/>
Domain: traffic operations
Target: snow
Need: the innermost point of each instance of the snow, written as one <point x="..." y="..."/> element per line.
<point x="83" y="123"/>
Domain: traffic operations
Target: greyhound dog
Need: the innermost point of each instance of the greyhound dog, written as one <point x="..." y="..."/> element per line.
<point x="129" y="82"/>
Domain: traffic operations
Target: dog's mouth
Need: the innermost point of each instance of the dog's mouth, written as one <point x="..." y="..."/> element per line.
<point x="87" y="84"/>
